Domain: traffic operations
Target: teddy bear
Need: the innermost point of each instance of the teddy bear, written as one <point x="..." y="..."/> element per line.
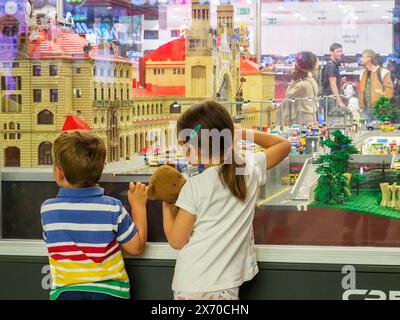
<point x="165" y="184"/>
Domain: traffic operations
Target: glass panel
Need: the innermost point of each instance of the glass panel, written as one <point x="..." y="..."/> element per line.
<point x="128" y="69"/>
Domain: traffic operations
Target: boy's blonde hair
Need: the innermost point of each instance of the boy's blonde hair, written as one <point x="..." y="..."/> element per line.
<point x="81" y="156"/>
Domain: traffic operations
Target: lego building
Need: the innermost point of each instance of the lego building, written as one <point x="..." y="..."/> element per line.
<point x="60" y="81"/>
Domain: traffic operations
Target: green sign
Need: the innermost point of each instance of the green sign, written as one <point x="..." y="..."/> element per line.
<point x="244" y="11"/>
<point x="75" y="2"/>
<point x="271" y="20"/>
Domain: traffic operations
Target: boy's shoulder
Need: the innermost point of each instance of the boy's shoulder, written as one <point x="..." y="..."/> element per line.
<point x="103" y="200"/>
<point x="111" y="201"/>
<point x="50" y="201"/>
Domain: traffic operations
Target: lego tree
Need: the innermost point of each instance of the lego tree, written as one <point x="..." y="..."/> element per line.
<point x="384" y="110"/>
<point x="341" y="150"/>
<point x="332" y="185"/>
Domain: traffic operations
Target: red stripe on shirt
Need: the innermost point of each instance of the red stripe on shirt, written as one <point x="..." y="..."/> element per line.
<point x="74" y="247"/>
<point x="82" y="257"/>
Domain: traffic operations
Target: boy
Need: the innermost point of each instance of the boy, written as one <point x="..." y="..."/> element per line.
<point x="84" y="229"/>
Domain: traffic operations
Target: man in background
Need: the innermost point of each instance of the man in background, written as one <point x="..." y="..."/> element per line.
<point x="375" y="82"/>
<point x="331" y="80"/>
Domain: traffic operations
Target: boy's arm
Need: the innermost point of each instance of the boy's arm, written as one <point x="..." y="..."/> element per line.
<point x="277" y="147"/>
<point x="137" y="199"/>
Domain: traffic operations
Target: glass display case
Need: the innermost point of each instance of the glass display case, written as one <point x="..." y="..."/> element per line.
<point x="126" y="70"/>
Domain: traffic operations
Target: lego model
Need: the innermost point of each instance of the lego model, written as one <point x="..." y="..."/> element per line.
<point x="384" y="110"/>
<point x="340" y="119"/>
<point x="56" y="74"/>
<point x="60" y="81"/>
<point x="333" y="184"/>
<point x="390" y="195"/>
<point x="386" y="126"/>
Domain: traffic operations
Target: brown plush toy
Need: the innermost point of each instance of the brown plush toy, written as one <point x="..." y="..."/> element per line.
<point x="165" y="184"/>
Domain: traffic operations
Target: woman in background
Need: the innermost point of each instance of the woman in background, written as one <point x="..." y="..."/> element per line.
<point x="302" y="91"/>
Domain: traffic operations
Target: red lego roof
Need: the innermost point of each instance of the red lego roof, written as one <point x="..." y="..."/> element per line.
<point x="248" y="67"/>
<point x="174" y="50"/>
<point x="152" y="90"/>
<point x="74" y="123"/>
<point x="57" y="43"/>
<point x="60" y="44"/>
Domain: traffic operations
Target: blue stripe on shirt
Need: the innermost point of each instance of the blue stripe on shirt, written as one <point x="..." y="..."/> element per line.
<point x="99" y="217"/>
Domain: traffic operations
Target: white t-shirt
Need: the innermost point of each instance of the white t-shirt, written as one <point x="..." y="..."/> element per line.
<point x="220" y="253"/>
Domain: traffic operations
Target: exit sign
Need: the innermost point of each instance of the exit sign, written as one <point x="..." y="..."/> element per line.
<point x="271" y="20"/>
<point x="244" y="11"/>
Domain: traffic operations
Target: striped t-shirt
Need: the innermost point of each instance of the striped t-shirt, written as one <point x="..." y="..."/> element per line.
<point x="83" y="230"/>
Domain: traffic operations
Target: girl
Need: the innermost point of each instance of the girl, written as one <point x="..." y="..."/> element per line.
<point x="304" y="90"/>
<point x="211" y="222"/>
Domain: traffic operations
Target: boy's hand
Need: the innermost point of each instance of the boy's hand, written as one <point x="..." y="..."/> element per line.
<point x="137" y="194"/>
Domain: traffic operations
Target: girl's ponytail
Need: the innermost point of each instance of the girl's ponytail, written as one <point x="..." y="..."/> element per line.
<point x="232" y="179"/>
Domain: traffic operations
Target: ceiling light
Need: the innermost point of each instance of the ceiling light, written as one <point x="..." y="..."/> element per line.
<point x="281" y="8"/>
<point x="375" y="5"/>
<point x="297" y="14"/>
<point x="303" y="18"/>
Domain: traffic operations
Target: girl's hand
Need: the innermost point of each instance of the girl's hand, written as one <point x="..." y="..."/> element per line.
<point x="137" y="194"/>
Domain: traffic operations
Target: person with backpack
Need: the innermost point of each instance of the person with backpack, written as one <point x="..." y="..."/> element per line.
<point x="331" y="82"/>
<point x="375" y="82"/>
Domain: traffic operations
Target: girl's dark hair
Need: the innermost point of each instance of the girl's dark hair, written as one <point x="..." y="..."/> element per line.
<point x="212" y="115"/>
<point x="305" y="63"/>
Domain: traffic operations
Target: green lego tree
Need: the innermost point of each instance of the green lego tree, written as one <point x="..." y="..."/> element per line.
<point x="332" y="185"/>
<point x="341" y="150"/>
<point x="383" y="109"/>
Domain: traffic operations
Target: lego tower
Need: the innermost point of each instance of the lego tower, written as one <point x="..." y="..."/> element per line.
<point x="228" y="63"/>
<point x="199" y="53"/>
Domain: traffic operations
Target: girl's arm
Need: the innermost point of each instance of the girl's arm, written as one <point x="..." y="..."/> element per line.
<point x="277" y="147"/>
<point x="178" y="225"/>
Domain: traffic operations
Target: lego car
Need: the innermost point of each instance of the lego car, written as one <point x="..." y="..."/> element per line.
<point x="153" y="162"/>
<point x="386" y="127"/>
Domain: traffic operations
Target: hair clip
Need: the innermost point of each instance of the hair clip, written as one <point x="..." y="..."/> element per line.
<point x="195" y="131"/>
